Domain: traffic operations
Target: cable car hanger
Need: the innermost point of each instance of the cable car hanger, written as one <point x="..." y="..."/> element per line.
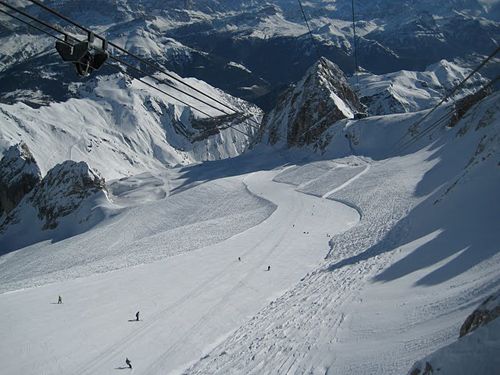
<point x="83" y="54"/>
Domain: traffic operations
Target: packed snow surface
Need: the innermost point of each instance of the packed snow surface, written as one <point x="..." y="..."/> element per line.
<point x="188" y="301"/>
<point x="410" y="241"/>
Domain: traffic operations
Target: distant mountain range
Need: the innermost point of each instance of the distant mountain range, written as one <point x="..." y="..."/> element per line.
<point x="253" y="49"/>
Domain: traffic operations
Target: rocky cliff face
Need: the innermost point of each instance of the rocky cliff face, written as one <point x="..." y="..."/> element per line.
<point x="485" y="313"/>
<point x="303" y="112"/>
<point x="19" y="173"/>
<point x="63" y="191"/>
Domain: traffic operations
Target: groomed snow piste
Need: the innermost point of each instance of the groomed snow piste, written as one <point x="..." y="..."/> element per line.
<point x="410" y="240"/>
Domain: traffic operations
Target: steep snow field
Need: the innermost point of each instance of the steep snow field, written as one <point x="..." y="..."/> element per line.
<point x="410" y="239"/>
<point x="122" y="127"/>
<point x="408" y="91"/>
<point x="137" y="233"/>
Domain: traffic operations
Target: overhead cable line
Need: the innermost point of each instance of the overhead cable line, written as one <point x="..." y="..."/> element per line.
<point x="354" y="43"/>
<point x="112" y="57"/>
<point x="32" y="25"/>
<point x="154" y="66"/>
<point x="309" y="29"/>
<point x="54" y="28"/>
<point x="440" y="120"/>
<point x="453" y="91"/>
<point x="146" y="62"/>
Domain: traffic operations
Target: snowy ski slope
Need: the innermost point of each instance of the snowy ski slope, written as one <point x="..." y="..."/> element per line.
<point x="188" y="302"/>
<point x="410" y="241"/>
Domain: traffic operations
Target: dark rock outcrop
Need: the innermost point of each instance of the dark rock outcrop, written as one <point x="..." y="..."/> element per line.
<point x="464" y="104"/>
<point x="303" y="112"/>
<point x="485" y="313"/>
<point x="19" y="173"/>
<point x="61" y="192"/>
<point x="426" y="370"/>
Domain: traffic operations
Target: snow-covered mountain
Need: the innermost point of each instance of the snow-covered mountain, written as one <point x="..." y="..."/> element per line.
<point x="242" y="46"/>
<point x="304" y="239"/>
<point x="406" y="91"/>
<point x="120" y="127"/>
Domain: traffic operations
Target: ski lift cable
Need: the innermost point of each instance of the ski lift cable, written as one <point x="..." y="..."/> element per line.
<point x="356" y="67"/>
<point x="451" y="93"/>
<point x="113" y="65"/>
<point x="120" y="61"/>
<point x="57" y="29"/>
<point x="439" y="121"/>
<point x="112" y="57"/>
<point x="123" y="50"/>
<point x="154" y="66"/>
<point x="33" y="26"/>
<point x="52" y="27"/>
<point x="309" y="29"/>
<point x="434" y="125"/>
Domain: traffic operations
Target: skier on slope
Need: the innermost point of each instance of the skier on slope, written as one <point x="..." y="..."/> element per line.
<point x="137" y="316"/>
<point x="59" y="300"/>
<point x="127" y="361"/>
<point x="269" y="268"/>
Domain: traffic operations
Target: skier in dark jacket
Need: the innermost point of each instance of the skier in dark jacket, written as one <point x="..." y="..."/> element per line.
<point x="127" y="361"/>
<point x="269" y="268"/>
<point x="59" y="300"/>
<point x="137" y="316"/>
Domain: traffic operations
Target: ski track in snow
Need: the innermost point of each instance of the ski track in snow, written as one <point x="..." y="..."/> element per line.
<point x="337" y="318"/>
<point x="212" y="294"/>
<point x="347" y="183"/>
<point x="315" y="309"/>
<point x="204" y="312"/>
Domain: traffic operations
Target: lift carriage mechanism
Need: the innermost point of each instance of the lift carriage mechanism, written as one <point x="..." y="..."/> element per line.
<point x="83" y="54"/>
<point x="88" y="57"/>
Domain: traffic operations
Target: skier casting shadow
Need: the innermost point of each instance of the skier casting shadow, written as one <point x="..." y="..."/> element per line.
<point x="136" y="317"/>
<point x="129" y="365"/>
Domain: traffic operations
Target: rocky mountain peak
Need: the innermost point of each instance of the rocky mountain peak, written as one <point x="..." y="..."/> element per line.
<point x="19" y="173"/>
<point x="303" y="112"/>
<point x="64" y="189"/>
